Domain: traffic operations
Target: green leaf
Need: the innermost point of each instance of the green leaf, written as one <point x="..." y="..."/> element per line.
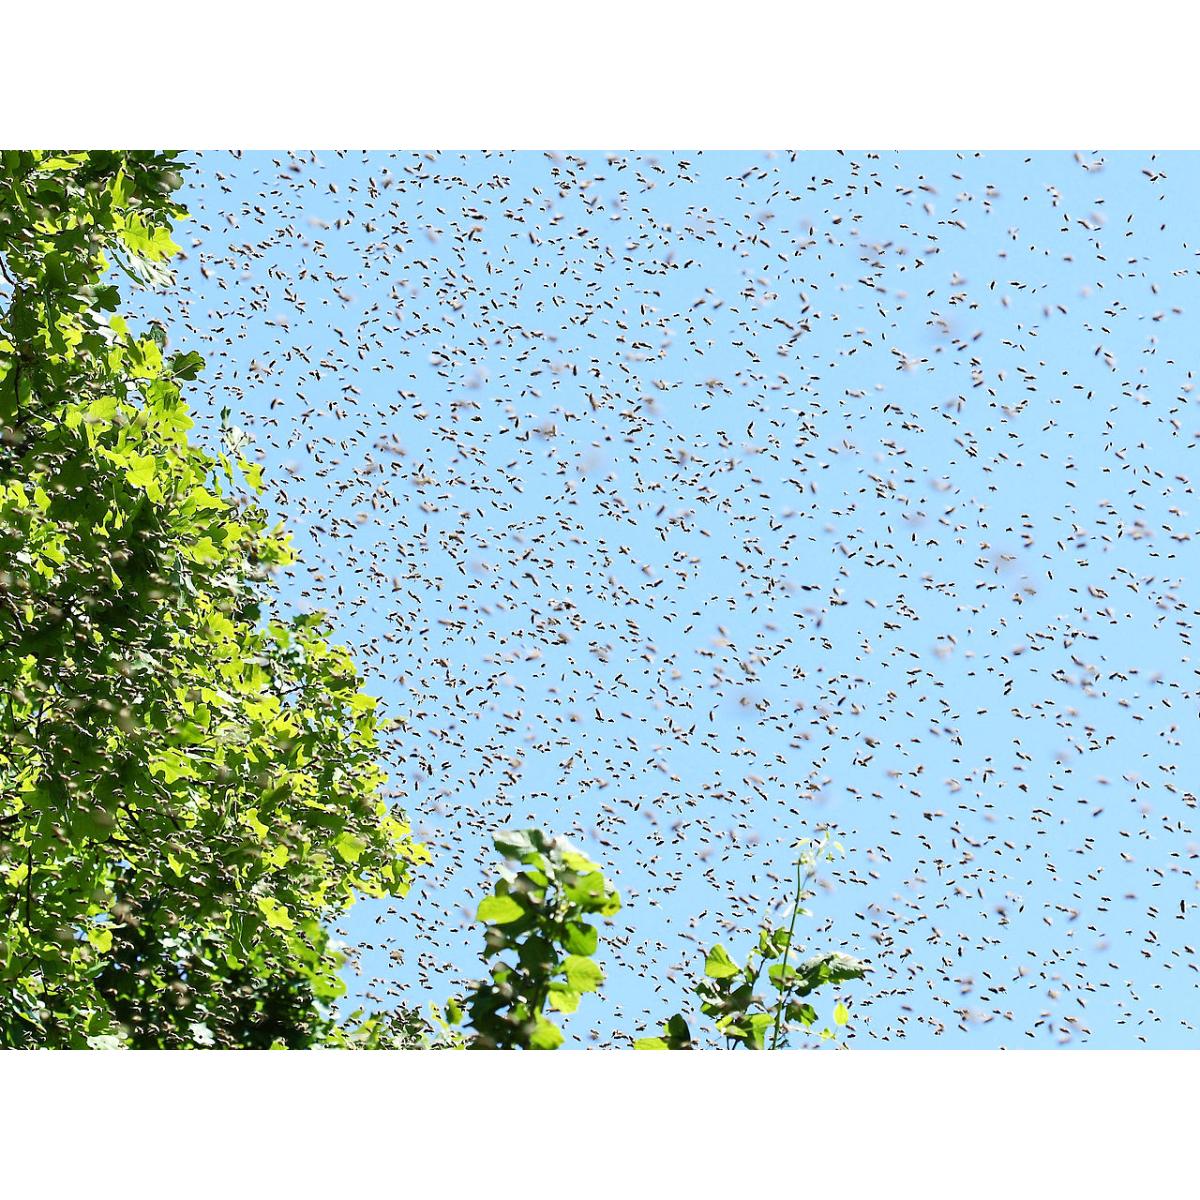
<point x="782" y="975"/>
<point x="583" y="975"/>
<point x="563" y="997"/>
<point x="589" y="890"/>
<point x="519" y="844"/>
<point x="186" y="367"/>
<point x="772" y="942"/>
<point x="103" y="409"/>
<point x="830" y="967"/>
<point x="581" y="938"/>
<point x="718" y="964"/>
<point x="500" y="910"/>
<point x="841" y="1014"/>
<point x="546" y="1035"/>
<point x="277" y="914"/>
<point x="349" y="847"/>
<point x="203" y="550"/>
<point x="101" y="937"/>
<point x="677" y="1030"/>
<point x="141" y="470"/>
<point x="759" y="1023"/>
<point x="67" y="162"/>
<point x="804" y="1013"/>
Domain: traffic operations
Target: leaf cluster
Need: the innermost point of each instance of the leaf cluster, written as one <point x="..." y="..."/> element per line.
<point x="540" y="940"/>
<point x="728" y="993"/>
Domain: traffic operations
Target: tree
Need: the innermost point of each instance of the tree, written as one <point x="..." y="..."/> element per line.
<point x="189" y="783"/>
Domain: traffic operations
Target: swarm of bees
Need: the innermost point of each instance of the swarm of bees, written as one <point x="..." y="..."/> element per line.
<point x="682" y="504"/>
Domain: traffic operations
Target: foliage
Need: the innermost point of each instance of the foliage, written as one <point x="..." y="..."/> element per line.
<point x="727" y="991"/>
<point x="401" y="1028"/>
<point x="542" y="942"/>
<point x="189" y="786"/>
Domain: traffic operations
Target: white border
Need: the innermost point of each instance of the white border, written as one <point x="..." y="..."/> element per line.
<point x="628" y="74"/>
<point x="887" y="1124"/>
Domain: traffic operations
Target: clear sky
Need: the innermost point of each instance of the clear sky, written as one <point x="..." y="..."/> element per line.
<point x="684" y="502"/>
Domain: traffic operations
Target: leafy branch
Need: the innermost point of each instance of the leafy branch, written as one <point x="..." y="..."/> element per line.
<point x="538" y="934"/>
<point x="727" y="993"/>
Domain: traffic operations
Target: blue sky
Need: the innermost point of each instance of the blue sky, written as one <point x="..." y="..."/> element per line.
<point x="684" y="502"/>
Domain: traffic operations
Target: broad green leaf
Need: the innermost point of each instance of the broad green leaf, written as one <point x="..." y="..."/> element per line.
<point x="563" y="997"/>
<point x="349" y="847"/>
<point x="676" y="1029"/>
<point x="718" y="964"/>
<point x="277" y="914"/>
<point x="781" y="975"/>
<point x="804" y="1013"/>
<point x="546" y="1035"/>
<point x="103" y="409"/>
<point x="518" y="843"/>
<point x="581" y="938"/>
<point x="500" y="910"/>
<point x="141" y="470"/>
<point x="583" y="975"/>
<point x="101" y="937"/>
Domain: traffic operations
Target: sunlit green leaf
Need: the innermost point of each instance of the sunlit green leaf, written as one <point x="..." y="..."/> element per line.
<point x="718" y="964"/>
<point x="500" y="910"/>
